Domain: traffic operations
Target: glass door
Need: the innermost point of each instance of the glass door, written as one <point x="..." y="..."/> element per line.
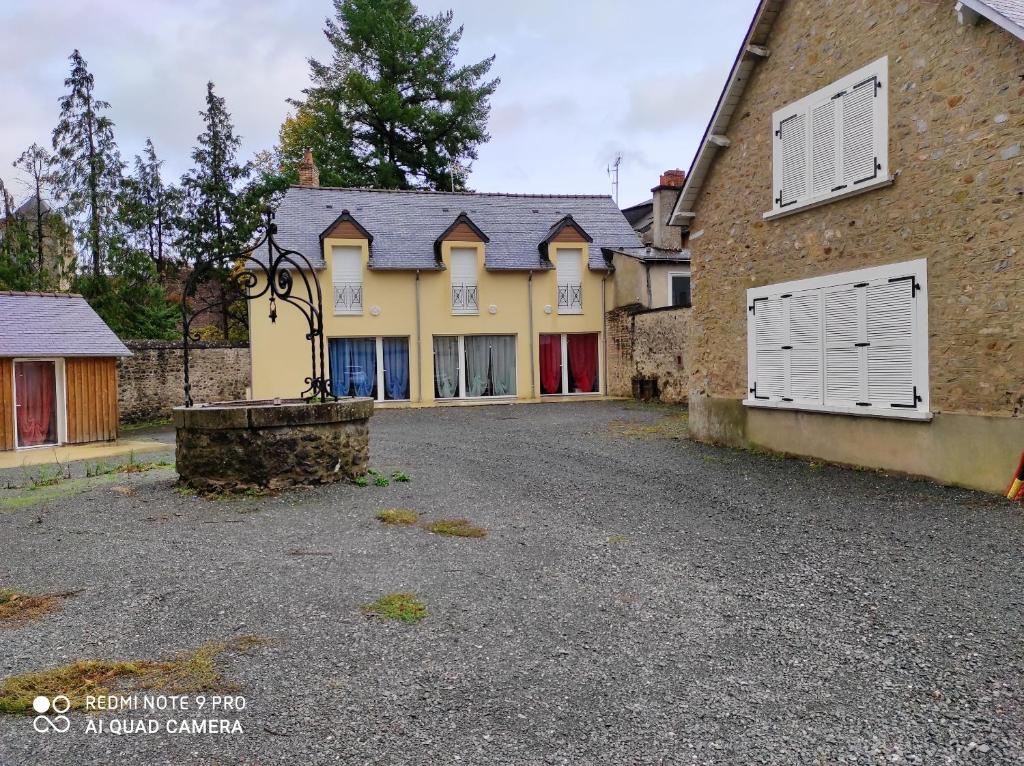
<point x="35" y="397"/>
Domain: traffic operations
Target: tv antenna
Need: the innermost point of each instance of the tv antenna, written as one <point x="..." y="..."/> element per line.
<point x="613" y="173"/>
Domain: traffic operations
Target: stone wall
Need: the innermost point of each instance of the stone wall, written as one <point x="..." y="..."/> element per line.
<point x="149" y="383"/>
<point x="648" y="345"/>
<point x="955" y="131"/>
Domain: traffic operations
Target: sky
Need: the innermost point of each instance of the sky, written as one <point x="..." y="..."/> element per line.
<point x="582" y="81"/>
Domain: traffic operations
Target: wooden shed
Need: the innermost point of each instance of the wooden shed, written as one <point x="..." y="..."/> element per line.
<point x="58" y="372"/>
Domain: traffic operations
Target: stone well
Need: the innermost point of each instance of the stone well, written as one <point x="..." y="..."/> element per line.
<point x="274" y="444"/>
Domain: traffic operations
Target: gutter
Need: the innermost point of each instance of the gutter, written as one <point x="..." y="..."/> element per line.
<point x="529" y="301"/>
<point x="419" y="344"/>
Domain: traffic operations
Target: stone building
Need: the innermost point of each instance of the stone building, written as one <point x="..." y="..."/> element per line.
<point x="854" y="218"/>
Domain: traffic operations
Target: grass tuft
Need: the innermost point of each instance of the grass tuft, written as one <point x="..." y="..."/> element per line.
<point x="675" y="426"/>
<point x="400" y="476"/>
<point x="455" y="528"/>
<point x="186" y="673"/>
<point x="404" y="607"/>
<point x="398" y="516"/>
<point x="17" y="608"/>
<point x="361" y="481"/>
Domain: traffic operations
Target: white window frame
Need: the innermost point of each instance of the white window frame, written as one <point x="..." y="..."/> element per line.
<point x="61" y="405"/>
<point x="668" y="287"/>
<point x="356" y="307"/>
<point x="461" y="395"/>
<point x="470" y="289"/>
<point x="562" y="284"/>
<point x="917" y="270"/>
<point x="564" y="342"/>
<point x="379" y="353"/>
<point x="877" y="69"/>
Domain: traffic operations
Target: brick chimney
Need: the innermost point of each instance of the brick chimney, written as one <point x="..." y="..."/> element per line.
<point x="309" y="174"/>
<point x="665" y="195"/>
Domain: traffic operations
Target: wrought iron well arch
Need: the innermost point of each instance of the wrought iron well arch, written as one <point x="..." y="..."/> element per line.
<point x="279" y="267"/>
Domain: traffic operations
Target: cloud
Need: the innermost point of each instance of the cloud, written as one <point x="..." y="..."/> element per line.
<point x="668" y="101"/>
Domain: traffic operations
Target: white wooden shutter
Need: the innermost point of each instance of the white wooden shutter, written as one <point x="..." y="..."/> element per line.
<point x="464" y="281"/>
<point x="890" y="315"/>
<point x="844" y="323"/>
<point x="569" y="277"/>
<point x="790" y="165"/>
<point x="832" y="141"/>
<point x="824" y="146"/>
<point x="859" y="135"/>
<point x="804" y="367"/>
<point x="347" y="279"/>
<point x="769" y="362"/>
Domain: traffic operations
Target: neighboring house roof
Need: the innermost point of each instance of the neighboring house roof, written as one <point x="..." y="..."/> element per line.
<point x="405" y="224"/>
<point x="640" y="216"/>
<point x="54" y="324"/>
<point x="650" y="254"/>
<point x="1008" y="14"/>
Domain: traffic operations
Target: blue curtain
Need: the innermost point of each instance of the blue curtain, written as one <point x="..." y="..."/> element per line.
<point x="364" y="365"/>
<point x="341" y="380"/>
<point x="396" y="368"/>
<point x="353" y="366"/>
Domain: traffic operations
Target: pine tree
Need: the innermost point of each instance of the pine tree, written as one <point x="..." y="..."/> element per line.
<point x="87" y="164"/>
<point x="218" y="217"/>
<point x="391" y="109"/>
<point x="147" y="208"/>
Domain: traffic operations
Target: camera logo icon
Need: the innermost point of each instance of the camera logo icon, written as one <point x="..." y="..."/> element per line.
<point x="58" y="722"/>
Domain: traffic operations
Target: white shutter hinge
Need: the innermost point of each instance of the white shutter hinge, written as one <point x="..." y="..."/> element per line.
<point x="914" y="286"/>
<point x="916" y="399"/>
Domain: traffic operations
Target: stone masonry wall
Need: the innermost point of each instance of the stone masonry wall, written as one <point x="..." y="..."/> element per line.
<point x="648" y="344"/>
<point x="956" y="124"/>
<point x="149" y="383"/>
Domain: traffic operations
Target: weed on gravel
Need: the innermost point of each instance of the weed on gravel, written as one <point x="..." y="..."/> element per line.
<point x="404" y="607"/>
<point x="186" y="673"/>
<point x="674" y="426"/>
<point x="398" y="517"/>
<point x="17" y="608"/>
<point x="455" y="528"/>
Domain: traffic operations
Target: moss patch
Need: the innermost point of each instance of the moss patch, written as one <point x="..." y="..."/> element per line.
<point x="675" y="426"/>
<point x="398" y="517"/>
<point x="26" y="498"/>
<point x="455" y="528"/>
<point x="187" y="673"/>
<point x="17" y="608"/>
<point x="404" y="607"/>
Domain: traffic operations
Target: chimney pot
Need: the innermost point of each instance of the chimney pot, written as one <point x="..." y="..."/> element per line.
<point x="309" y="174"/>
<point x="674" y="178"/>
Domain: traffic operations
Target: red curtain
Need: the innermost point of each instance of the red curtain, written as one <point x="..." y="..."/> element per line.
<point x="583" y="362"/>
<point x="550" y="363"/>
<point x="35" y="386"/>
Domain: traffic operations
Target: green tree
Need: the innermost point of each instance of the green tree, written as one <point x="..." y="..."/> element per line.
<point x="87" y="164"/>
<point x="218" y="216"/>
<point x="17" y="256"/>
<point x="147" y="208"/>
<point x="34" y="162"/>
<point x="391" y="109"/>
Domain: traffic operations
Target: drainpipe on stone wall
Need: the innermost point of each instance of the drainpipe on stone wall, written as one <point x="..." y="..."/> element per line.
<point x="647" y="276"/>
<point x="419" y="344"/>
<point x="529" y="301"/>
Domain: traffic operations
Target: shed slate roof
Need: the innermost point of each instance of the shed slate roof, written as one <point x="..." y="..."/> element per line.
<point x="54" y="324"/>
<point x="405" y="224"/>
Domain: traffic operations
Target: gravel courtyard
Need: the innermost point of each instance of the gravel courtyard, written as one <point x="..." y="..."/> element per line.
<point x="638" y="599"/>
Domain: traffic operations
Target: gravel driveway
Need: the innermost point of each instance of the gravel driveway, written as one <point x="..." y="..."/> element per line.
<point x="638" y="599"/>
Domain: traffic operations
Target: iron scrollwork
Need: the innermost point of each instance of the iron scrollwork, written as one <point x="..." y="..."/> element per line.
<point x="264" y="268"/>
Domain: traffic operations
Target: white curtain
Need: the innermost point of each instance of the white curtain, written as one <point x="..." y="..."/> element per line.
<point x="446" y="366"/>
<point x="478" y="354"/>
<point x="503" y="365"/>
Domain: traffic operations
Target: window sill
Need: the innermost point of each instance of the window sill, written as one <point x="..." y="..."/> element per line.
<point x="570" y="313"/>
<point x="878" y="183"/>
<point x="466" y="313"/>
<point x="347" y="313"/>
<point x="833" y="409"/>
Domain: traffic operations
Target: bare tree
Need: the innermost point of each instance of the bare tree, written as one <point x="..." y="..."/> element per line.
<point x="35" y="162"/>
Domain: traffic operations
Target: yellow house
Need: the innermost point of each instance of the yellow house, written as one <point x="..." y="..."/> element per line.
<point x="454" y="298"/>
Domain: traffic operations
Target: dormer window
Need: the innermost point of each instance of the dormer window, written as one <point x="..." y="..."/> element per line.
<point x="569" y="271"/>
<point x="465" y="293"/>
<point x="347" y="278"/>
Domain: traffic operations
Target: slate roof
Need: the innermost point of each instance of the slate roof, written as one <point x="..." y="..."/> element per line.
<point x="54" y="324"/>
<point x="653" y="254"/>
<point x="405" y="224"/>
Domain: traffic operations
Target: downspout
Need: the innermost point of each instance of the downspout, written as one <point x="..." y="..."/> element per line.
<point x="419" y="344"/>
<point x="647" y="277"/>
<point x="529" y="301"/>
<point x="604" y="328"/>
